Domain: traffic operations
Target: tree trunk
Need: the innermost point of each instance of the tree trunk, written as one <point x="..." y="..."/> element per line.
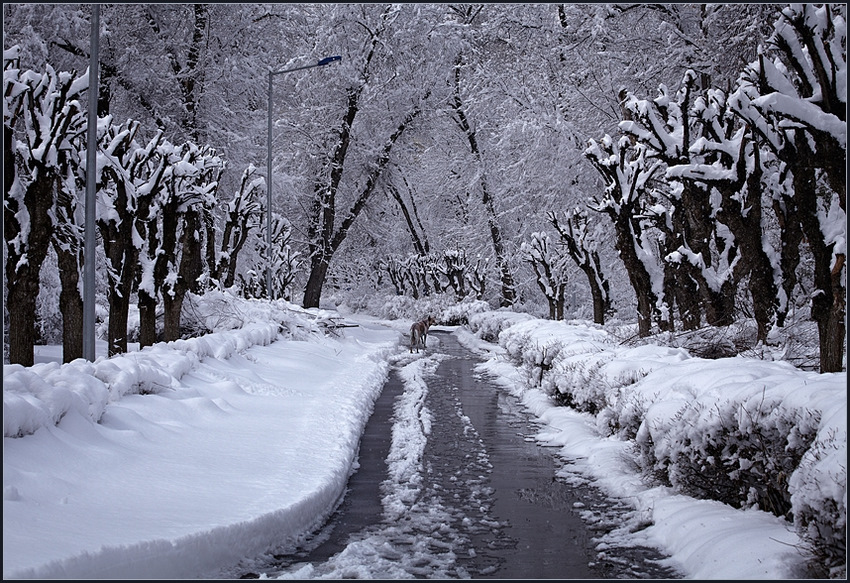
<point x="117" y="235"/>
<point x="191" y="267"/>
<point x="22" y="294"/>
<point x="686" y="295"/>
<point x="598" y="290"/>
<point x="172" y="303"/>
<point x="70" y="260"/>
<point x="318" y="273"/>
<point x="23" y="275"/>
<point x="147" y="229"/>
<point x="508" y="297"/>
<point x="791" y="237"/>
<point x="828" y="299"/>
<point x="147" y="319"/>
<point x="166" y="259"/>
<point x="638" y="275"/>
<point x="414" y="236"/>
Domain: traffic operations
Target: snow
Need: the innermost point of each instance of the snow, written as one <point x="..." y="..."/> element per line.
<point x="178" y="460"/>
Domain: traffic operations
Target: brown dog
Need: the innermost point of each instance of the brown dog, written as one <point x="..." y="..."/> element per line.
<point x="419" y="333"/>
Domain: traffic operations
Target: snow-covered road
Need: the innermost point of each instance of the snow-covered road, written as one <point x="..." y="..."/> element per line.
<point x="479" y="499"/>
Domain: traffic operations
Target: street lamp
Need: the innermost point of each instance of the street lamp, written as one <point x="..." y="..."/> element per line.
<point x="322" y="63"/>
<point x="91" y="195"/>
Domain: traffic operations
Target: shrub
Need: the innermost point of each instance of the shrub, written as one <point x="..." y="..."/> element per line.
<point x="487" y="325"/>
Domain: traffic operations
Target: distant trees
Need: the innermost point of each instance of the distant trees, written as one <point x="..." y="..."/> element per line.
<point x="450" y="270"/>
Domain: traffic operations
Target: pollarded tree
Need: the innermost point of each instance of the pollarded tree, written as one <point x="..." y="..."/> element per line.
<point x="729" y="163"/>
<point x="44" y="110"/>
<point x="582" y="248"/>
<point x="193" y="183"/>
<point x="130" y="176"/>
<point x="667" y="129"/>
<point x="796" y="106"/>
<point x="173" y="235"/>
<point x="626" y="172"/>
<point x="68" y="243"/>
<point x="550" y="268"/>
<point x="242" y="215"/>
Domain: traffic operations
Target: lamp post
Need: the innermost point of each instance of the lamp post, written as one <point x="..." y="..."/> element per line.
<point x="90" y="215"/>
<point x="321" y="63"/>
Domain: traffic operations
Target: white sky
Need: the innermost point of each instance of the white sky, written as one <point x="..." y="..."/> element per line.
<point x="245" y="442"/>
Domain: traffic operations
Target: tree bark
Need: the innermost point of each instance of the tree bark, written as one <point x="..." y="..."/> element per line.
<point x="191" y="267"/>
<point x="23" y="267"/>
<point x="791" y="237"/>
<point x="828" y="299"/>
<point x="70" y="259"/>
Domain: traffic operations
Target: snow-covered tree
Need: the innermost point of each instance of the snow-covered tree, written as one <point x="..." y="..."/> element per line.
<point x="666" y="128"/>
<point x="285" y="262"/>
<point x="626" y="171"/>
<point x="729" y="164"/>
<point x="242" y="215"/>
<point x="130" y="176"/>
<point x="548" y="263"/>
<point x="42" y="117"/>
<point x="362" y="153"/>
<point x="582" y="247"/>
<point x="795" y="103"/>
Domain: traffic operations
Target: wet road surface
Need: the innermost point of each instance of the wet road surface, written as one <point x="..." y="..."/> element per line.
<point x="489" y="504"/>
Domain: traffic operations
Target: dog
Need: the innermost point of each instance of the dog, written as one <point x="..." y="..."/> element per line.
<point x="419" y="333"/>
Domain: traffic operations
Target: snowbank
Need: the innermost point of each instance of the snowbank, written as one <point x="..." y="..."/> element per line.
<point x="185" y="457"/>
<point x="757" y="435"/>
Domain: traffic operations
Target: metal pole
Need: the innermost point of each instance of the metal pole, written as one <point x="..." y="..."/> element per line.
<point x="91" y="171"/>
<point x="322" y="63"/>
<point x="269" y="291"/>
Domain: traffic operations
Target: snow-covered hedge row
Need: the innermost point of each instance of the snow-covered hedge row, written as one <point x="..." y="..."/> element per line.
<point x="749" y="433"/>
<point x="488" y="324"/>
<point x="43" y="394"/>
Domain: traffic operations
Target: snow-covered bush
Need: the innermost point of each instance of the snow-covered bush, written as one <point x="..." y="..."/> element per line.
<point x="41" y="395"/>
<point x="459" y="313"/>
<point x="557" y="357"/>
<point x="487" y="325"/>
<point x="751" y="437"/>
<point x="748" y="432"/>
<point x="819" y="494"/>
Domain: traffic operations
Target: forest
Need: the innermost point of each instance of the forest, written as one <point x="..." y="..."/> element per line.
<point x="680" y="166"/>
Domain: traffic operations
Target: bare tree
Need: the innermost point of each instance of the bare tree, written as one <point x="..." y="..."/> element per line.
<point x="548" y="265"/>
<point x="583" y="251"/>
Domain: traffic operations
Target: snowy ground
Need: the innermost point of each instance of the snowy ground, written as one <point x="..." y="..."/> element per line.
<point x="179" y="460"/>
